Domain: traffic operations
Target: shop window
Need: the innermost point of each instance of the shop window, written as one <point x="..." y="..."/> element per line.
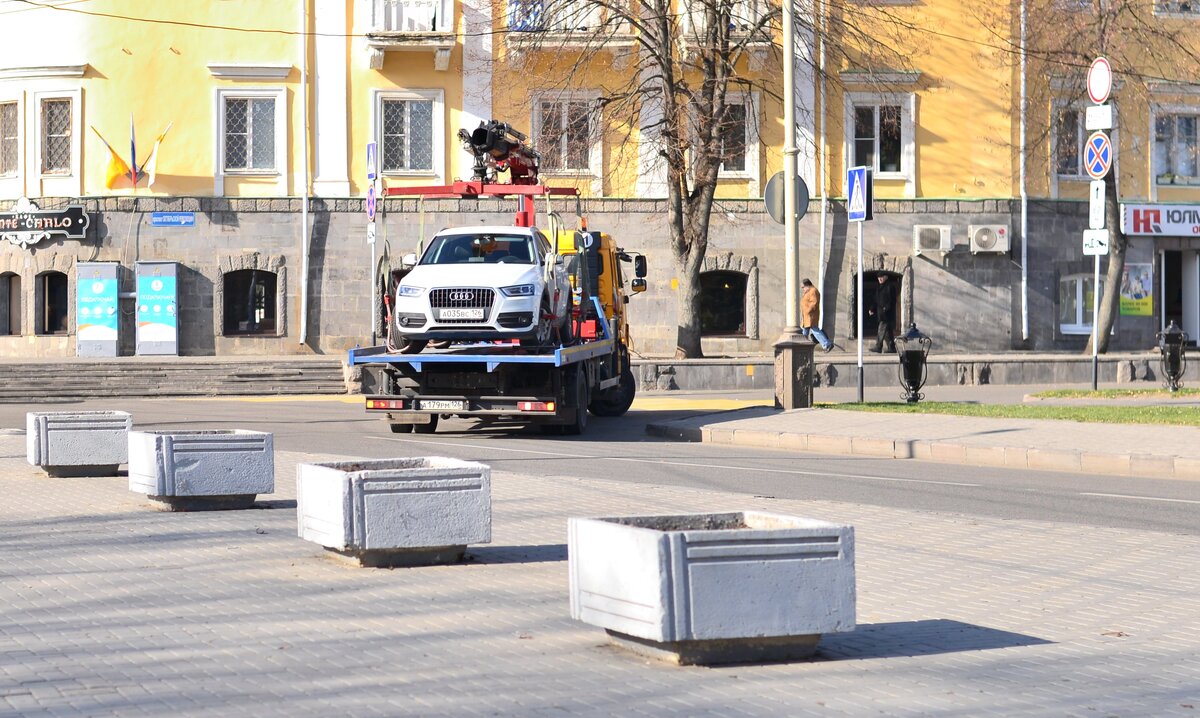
<point x="1075" y="303"/>
<point x="249" y="302"/>
<point x="10" y="304"/>
<point x="52" y="298"/>
<point x="723" y="304"/>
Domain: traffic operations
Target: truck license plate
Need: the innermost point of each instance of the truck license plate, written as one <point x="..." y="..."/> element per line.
<point x="461" y="314"/>
<point x="444" y="404"/>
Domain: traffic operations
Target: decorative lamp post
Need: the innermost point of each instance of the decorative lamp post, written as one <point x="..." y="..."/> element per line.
<point x="1172" y="358"/>
<point x="913" y="350"/>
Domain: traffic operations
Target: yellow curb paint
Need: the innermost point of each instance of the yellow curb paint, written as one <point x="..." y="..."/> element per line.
<point x="662" y="404"/>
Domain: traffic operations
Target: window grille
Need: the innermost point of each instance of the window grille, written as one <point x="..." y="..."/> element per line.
<point x="407" y="135"/>
<point x="250" y="133"/>
<point x="56" y="136"/>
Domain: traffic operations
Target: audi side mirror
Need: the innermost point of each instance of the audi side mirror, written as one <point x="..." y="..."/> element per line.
<point x="408" y="261"/>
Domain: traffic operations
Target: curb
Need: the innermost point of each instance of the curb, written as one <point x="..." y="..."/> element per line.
<point x="1145" y="466"/>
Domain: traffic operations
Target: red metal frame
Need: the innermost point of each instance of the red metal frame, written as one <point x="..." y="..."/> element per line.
<point x="478" y="188"/>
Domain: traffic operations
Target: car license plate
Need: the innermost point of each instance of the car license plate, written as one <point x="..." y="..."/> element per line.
<point x="444" y="404"/>
<point x="461" y="314"/>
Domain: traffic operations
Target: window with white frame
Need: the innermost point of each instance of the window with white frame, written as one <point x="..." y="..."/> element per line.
<point x="56" y="125"/>
<point x="878" y="137"/>
<point x="406" y="134"/>
<point x="1069" y="136"/>
<point x="1075" y="303"/>
<point x="565" y="132"/>
<point x="734" y="137"/>
<point x="1190" y="8"/>
<point x="552" y="16"/>
<point x="250" y="129"/>
<point x="1176" y="148"/>
<point x="9" y="126"/>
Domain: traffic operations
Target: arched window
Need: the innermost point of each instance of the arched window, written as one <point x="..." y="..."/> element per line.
<point x="51" y="303"/>
<point x="722" y="304"/>
<point x="10" y="304"/>
<point x="249" y="302"/>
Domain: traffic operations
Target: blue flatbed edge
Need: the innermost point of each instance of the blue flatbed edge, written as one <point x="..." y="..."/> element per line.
<point x="490" y="354"/>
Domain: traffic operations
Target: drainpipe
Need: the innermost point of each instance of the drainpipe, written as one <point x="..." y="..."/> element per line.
<point x="1024" y="196"/>
<point x="304" y="234"/>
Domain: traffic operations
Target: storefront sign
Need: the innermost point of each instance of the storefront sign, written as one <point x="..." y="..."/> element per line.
<point x="1137" y="290"/>
<point x="1161" y="220"/>
<point x="27" y="225"/>
<point x="172" y="219"/>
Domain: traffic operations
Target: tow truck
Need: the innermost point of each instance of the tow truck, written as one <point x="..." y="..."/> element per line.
<point x="554" y="386"/>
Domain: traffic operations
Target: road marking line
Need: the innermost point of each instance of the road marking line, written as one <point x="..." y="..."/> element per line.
<point x="1142" y="498"/>
<point x="794" y="472"/>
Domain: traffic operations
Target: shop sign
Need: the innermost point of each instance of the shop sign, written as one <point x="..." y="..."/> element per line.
<point x="27" y="225"/>
<point x="1161" y="220"/>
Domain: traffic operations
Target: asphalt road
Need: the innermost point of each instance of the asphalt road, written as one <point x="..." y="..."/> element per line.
<point x="620" y="450"/>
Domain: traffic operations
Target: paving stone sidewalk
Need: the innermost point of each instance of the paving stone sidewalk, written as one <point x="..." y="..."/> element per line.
<point x="1163" y="452"/>
<point x="111" y="607"/>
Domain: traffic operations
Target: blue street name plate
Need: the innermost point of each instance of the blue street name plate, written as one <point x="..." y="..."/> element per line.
<point x="172" y="219"/>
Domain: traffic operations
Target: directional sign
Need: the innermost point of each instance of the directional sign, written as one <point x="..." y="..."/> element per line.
<point x="1095" y="242"/>
<point x="371" y="161"/>
<point x="1096" y="205"/>
<point x="371" y="203"/>
<point x="1099" y="80"/>
<point x="1097" y="155"/>
<point x="859" y="194"/>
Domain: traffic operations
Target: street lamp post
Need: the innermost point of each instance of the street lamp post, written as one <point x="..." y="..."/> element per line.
<point x="913" y="350"/>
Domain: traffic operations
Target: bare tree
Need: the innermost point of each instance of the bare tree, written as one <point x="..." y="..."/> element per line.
<point x="1148" y="53"/>
<point x="678" y="85"/>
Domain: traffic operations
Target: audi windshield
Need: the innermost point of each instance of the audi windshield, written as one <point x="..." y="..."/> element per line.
<point x="480" y="249"/>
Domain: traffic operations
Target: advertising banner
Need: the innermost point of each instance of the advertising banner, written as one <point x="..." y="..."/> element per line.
<point x="157" y="317"/>
<point x="1137" y="290"/>
<point x="96" y="309"/>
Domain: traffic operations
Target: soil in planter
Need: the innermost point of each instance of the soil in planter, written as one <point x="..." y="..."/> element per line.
<point x="688" y="522"/>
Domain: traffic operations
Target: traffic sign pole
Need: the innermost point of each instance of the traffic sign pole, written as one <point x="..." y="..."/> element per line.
<point x="1098" y="157"/>
<point x="858" y="184"/>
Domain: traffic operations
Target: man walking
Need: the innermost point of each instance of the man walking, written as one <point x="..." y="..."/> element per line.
<point x="885" y="312"/>
<point x="810" y="315"/>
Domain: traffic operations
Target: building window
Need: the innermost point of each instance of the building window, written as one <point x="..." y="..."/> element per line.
<point x="564" y="134"/>
<point x="249" y="142"/>
<point x="56" y="136"/>
<point x="1075" y="303"/>
<point x="52" y="303"/>
<point x="1068" y="143"/>
<point x="406" y="137"/>
<point x="548" y="15"/>
<point x="10" y="304"/>
<point x="412" y="16"/>
<point x="8" y="139"/>
<point x="1177" y="7"/>
<point x="878" y="137"/>
<point x="249" y="302"/>
<point x="1176" y="149"/>
<point x="733" y="136"/>
<point x="723" y="304"/>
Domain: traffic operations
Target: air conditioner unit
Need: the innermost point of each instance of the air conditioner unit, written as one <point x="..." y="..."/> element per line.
<point x="931" y="238"/>
<point x="988" y="238"/>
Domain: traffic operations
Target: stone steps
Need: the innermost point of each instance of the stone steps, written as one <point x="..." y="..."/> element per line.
<point x="58" y="380"/>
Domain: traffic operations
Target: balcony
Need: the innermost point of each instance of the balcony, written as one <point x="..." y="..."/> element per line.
<point x="554" y="24"/>
<point x="412" y="26"/>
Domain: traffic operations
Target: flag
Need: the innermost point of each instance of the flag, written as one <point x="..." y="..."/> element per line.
<point x="132" y="153"/>
<point x="150" y="166"/>
<point x="117" y="168"/>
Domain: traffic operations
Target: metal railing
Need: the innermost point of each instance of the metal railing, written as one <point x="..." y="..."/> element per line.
<point x="412" y="16"/>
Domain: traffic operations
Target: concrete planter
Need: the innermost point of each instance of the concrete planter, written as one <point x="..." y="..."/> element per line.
<point x="200" y="470"/>
<point x="395" y="512"/>
<point x="77" y="443"/>
<point x="713" y="588"/>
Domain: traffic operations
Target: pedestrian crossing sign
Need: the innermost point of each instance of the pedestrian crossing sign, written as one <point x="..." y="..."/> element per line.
<point x="858" y="185"/>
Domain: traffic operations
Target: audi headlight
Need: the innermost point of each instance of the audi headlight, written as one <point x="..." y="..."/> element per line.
<point x="407" y="290"/>
<point x="519" y="290"/>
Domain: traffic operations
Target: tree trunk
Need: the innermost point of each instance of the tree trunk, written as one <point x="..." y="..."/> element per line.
<point x="687" y="338"/>
<point x="1110" y="303"/>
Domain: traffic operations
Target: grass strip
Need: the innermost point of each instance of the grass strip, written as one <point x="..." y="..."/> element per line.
<point x="1115" y="394"/>
<point x="1168" y="415"/>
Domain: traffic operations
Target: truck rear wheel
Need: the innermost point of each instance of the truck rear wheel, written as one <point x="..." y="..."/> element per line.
<point x="579" y="399"/>
<point x="426" y="428"/>
<point x="616" y="401"/>
<point x="401" y="428"/>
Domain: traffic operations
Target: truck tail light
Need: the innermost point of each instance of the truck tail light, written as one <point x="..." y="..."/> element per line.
<point x="385" y="403"/>
<point x="536" y="406"/>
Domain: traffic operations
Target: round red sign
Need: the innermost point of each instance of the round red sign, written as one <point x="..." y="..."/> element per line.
<point x="1099" y="80"/>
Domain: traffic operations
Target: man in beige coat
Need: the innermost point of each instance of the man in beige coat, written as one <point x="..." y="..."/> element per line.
<point x="810" y="315"/>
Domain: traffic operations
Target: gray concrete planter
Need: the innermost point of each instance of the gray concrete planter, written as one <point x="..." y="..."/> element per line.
<point x="202" y="470"/>
<point x="77" y="443"/>
<point x="713" y="588"/>
<point x="395" y="512"/>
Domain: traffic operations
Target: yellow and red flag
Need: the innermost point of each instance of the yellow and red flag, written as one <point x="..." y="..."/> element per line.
<point x="117" y="167"/>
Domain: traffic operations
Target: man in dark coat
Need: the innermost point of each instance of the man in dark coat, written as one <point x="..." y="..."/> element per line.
<point x="885" y="311"/>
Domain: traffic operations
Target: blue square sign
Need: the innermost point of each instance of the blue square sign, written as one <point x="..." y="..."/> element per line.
<point x="858" y="194"/>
